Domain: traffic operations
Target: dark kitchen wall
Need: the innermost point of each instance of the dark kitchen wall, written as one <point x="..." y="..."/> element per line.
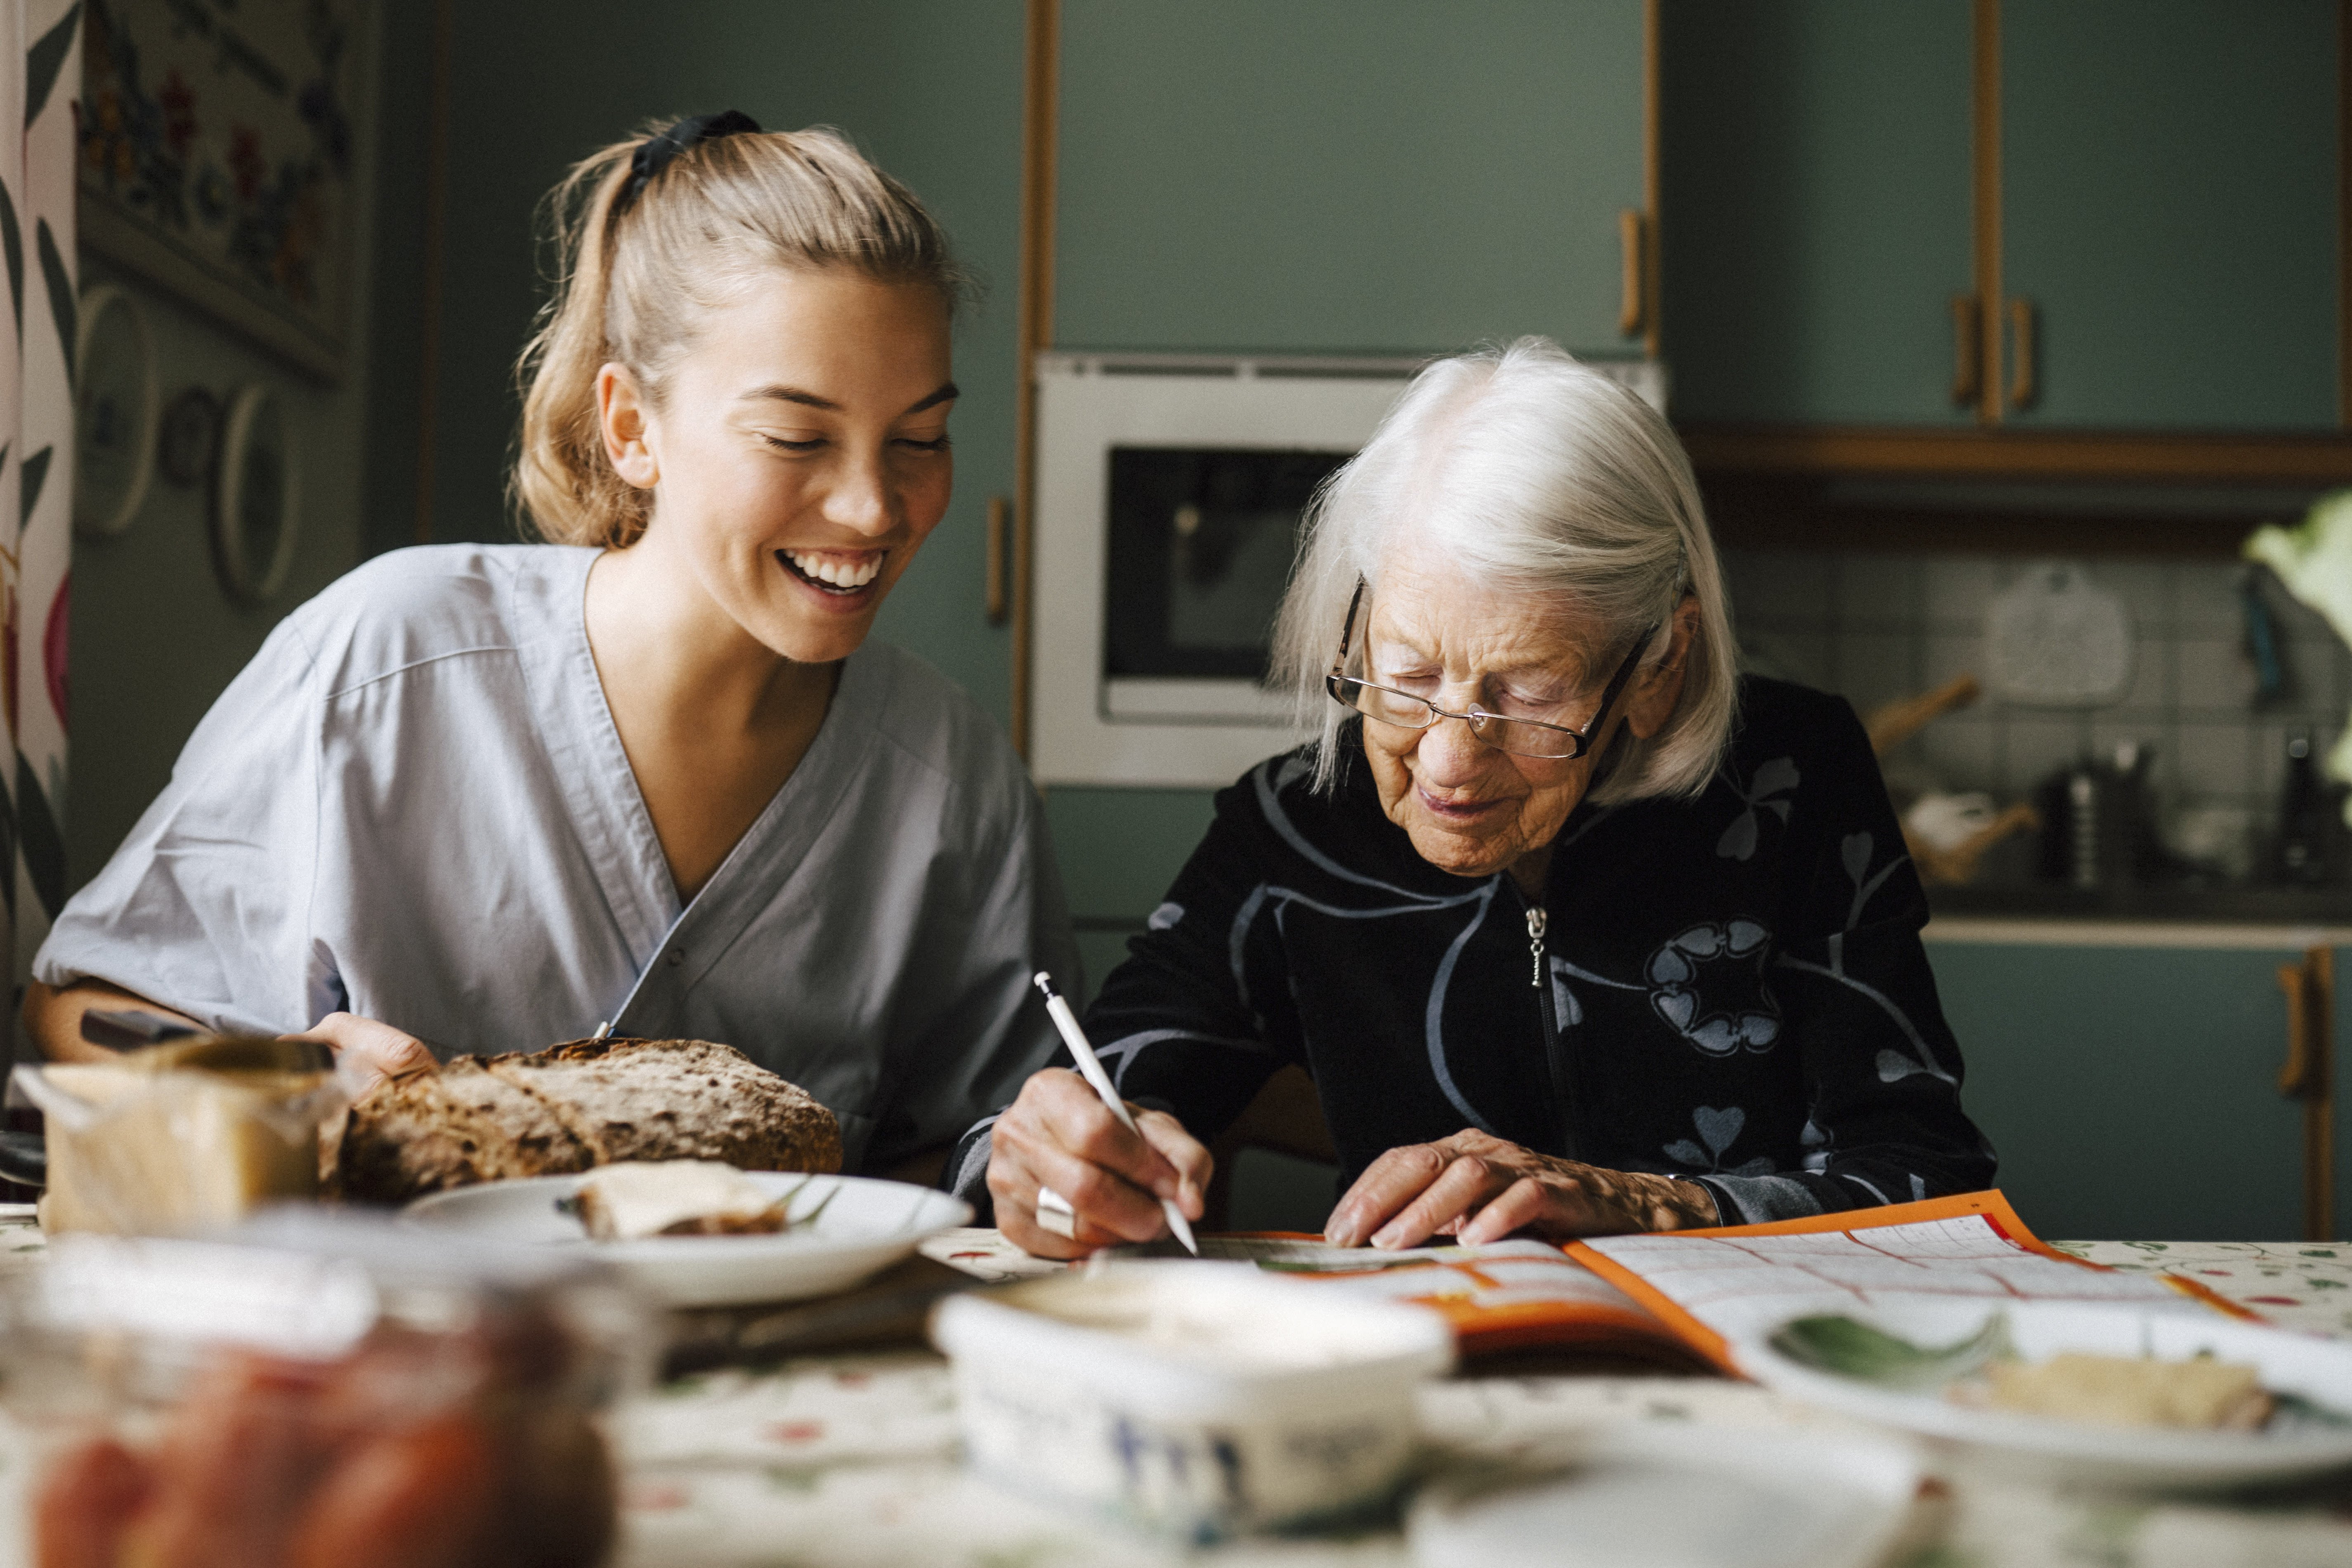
<point x="155" y="637"/>
<point x="931" y="90"/>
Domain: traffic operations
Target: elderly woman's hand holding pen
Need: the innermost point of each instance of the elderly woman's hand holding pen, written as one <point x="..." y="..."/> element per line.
<point x="1061" y="1137"/>
<point x="1072" y="1167"/>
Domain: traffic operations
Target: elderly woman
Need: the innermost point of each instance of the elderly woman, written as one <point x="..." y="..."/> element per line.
<point x="1576" y="931"/>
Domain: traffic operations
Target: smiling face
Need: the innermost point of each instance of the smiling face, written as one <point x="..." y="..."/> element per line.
<point x="1440" y="635"/>
<point x="798" y="456"/>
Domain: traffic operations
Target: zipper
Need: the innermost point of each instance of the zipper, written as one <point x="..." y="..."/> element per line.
<point x="1555" y="1048"/>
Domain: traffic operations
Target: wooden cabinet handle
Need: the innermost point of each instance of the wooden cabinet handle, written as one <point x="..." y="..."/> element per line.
<point x="1632" y="308"/>
<point x="2023" y="386"/>
<point x="2310" y="988"/>
<point x="1968" y="351"/>
<point x="999" y="598"/>
<point x="2307" y="1078"/>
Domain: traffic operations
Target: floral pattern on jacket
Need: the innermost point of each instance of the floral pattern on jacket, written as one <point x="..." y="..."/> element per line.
<point x="1730" y="988"/>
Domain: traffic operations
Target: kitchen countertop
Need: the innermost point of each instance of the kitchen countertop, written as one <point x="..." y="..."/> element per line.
<point x="2054" y="914"/>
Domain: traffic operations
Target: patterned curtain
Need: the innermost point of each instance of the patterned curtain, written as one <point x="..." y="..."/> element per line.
<point x="40" y="84"/>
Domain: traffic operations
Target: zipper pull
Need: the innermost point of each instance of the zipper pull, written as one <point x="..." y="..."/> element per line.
<point x="1537" y="920"/>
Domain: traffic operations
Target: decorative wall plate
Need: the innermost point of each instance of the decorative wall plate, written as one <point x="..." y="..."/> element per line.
<point x="256" y="496"/>
<point x="115" y="410"/>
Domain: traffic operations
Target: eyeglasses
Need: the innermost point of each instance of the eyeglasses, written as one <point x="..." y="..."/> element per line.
<point x="1518" y="737"/>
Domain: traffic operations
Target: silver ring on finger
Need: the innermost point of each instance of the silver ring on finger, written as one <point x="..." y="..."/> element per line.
<point x="1055" y="1213"/>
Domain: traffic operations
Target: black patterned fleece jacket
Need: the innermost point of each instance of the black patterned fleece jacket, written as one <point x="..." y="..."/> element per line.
<point x="1730" y="988"/>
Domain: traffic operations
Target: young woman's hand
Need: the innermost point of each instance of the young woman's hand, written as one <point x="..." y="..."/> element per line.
<point x="1059" y="1134"/>
<point x="368" y="1051"/>
<point x="1478" y="1188"/>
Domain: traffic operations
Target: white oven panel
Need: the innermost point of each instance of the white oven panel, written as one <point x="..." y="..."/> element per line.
<point x="1087" y="727"/>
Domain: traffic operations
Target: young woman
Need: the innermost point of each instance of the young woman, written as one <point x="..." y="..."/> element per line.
<point x="651" y="773"/>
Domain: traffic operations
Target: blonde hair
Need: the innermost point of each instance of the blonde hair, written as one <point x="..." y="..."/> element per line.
<point x="1534" y="471"/>
<point x="630" y="287"/>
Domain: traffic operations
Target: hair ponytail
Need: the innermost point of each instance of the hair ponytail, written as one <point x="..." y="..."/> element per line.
<point x="631" y="287"/>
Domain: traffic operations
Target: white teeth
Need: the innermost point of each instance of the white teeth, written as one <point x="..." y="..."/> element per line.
<point x="839" y="573"/>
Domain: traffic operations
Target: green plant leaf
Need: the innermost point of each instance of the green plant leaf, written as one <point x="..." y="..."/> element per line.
<point x="1839" y="1344"/>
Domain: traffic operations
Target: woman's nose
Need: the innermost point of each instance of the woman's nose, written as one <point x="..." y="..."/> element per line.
<point x="1449" y="755"/>
<point x="860" y="498"/>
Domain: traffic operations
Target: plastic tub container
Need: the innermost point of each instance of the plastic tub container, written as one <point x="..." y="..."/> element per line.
<point x="178" y="1136"/>
<point x="1195" y="1400"/>
<point x="310" y="1389"/>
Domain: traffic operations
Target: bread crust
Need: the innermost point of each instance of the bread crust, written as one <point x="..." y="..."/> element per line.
<point x="575" y="1105"/>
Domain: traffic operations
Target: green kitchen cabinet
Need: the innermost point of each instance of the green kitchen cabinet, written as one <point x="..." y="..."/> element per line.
<point x="1345" y="176"/>
<point x="2165" y="182"/>
<point x="2131" y="1091"/>
<point x="2169" y="212"/>
<point x="1814" y="215"/>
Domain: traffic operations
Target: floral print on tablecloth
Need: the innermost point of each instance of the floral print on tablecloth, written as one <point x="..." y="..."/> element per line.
<point x="2303" y="1285"/>
<point x="851" y="1461"/>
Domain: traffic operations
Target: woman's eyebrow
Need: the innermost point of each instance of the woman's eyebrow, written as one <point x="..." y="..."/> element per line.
<point x="789" y="394"/>
<point x="947" y="393"/>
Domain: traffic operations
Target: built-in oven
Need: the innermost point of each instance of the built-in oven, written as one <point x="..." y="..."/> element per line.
<point x="1170" y="492"/>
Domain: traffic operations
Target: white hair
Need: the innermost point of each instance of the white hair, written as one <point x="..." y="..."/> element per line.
<point x="1532" y="471"/>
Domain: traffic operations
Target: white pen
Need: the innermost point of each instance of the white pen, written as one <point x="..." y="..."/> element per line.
<point x="1075" y="1038"/>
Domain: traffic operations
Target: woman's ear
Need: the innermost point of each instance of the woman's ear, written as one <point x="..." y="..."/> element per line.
<point x="626" y="421"/>
<point x="1658" y="690"/>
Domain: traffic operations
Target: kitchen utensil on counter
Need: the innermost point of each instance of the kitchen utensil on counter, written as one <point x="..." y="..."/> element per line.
<point x="2213" y="843"/>
<point x="2306" y="853"/>
<point x="1891" y="725"/>
<point x="2099" y="822"/>
<point x="2054" y="639"/>
<point x="852" y="1227"/>
<point x="1196" y="1400"/>
<point x="1948" y="835"/>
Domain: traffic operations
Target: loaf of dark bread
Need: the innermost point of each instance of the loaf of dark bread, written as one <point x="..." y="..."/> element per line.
<point x="582" y="1103"/>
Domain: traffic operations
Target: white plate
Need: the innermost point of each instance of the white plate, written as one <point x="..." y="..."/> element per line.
<point x="2318" y="1370"/>
<point x="1698" y="1497"/>
<point x="866" y="1226"/>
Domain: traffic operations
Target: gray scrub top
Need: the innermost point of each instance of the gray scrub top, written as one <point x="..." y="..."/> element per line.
<point x="413" y="805"/>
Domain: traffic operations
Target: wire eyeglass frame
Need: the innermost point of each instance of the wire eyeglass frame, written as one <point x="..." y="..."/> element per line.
<point x="1493" y="729"/>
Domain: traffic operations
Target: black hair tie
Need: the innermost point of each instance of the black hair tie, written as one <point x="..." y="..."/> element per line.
<point x="655" y="153"/>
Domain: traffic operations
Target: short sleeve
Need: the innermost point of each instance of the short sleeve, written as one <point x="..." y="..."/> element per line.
<point x="1005" y="919"/>
<point x="205" y="906"/>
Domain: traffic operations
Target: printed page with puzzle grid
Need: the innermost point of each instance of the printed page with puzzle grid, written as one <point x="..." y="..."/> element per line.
<point x="1713" y="1287"/>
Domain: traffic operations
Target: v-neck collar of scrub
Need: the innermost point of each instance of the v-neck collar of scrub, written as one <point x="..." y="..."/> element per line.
<point x="608" y="810"/>
<point x="771" y="850"/>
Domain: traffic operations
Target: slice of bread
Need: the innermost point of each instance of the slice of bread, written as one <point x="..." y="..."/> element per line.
<point x="576" y="1105"/>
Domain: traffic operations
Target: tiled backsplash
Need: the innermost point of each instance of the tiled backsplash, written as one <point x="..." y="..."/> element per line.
<point x="1876" y="627"/>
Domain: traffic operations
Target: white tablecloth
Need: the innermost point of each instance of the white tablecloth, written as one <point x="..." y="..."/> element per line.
<point x="850" y="1461"/>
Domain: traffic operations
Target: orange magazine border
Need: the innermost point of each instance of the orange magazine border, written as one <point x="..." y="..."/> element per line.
<point x="1989" y="1206"/>
<point x="1522" y="1325"/>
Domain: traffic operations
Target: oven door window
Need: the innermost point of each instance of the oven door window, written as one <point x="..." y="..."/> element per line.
<point x="1200" y="550"/>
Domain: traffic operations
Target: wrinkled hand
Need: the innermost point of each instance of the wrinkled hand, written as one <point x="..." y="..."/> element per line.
<point x="1059" y="1134"/>
<point x="1478" y="1188"/>
<point x="368" y="1051"/>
